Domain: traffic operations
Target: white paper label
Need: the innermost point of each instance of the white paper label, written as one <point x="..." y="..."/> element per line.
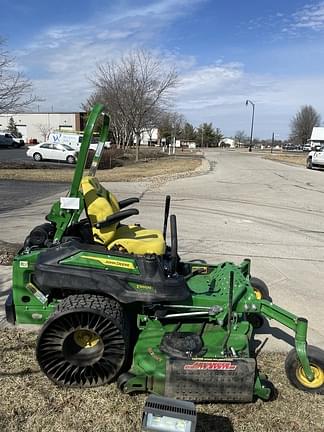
<point x="69" y="203"/>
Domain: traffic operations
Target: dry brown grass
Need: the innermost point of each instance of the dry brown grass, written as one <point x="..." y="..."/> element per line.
<point x="141" y="170"/>
<point x="8" y="251"/>
<point x="30" y="402"/>
<point x="294" y="159"/>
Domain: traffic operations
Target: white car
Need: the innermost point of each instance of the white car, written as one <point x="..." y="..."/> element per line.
<point x="51" y="151"/>
<point x="315" y="159"/>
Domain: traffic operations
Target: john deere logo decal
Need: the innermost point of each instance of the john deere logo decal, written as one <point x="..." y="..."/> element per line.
<point x="213" y="365"/>
<point x="111" y="262"/>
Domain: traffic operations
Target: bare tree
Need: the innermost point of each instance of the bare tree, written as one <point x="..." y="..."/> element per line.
<point x="133" y="88"/>
<point x="240" y="137"/>
<point x="302" y="124"/>
<point x="170" y="125"/>
<point x="119" y="127"/>
<point x="15" y="89"/>
<point x="44" y="130"/>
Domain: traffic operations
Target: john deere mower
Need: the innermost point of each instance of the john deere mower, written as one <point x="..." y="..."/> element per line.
<point x="116" y="303"/>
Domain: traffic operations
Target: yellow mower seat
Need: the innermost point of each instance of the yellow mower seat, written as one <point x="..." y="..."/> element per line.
<point x="100" y="204"/>
<point x="138" y="240"/>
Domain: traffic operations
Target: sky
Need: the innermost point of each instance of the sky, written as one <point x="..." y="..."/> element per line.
<point x="268" y="51"/>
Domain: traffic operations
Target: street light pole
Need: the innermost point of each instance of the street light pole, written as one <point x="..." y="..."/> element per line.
<point x="252" y="122"/>
<point x="272" y="141"/>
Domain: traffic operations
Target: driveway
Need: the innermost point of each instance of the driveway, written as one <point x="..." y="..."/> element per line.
<point x="244" y="207"/>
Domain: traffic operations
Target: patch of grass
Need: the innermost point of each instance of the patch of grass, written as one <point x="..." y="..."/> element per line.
<point x="294" y="159"/>
<point x="133" y="172"/>
<point x="30" y="402"/>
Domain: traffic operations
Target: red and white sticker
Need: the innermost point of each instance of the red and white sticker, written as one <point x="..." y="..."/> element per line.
<point x="211" y="365"/>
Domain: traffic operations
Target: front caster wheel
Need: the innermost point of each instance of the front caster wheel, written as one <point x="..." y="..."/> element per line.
<point x="85" y="343"/>
<point x="296" y="375"/>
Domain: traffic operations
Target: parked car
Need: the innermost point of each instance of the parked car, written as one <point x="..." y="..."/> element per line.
<point x="7" y="140"/>
<point x="307" y="147"/>
<point x="289" y="147"/>
<point x="51" y="151"/>
<point x="315" y="159"/>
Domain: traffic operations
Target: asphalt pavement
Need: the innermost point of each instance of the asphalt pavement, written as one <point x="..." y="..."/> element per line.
<point x="16" y="194"/>
<point x="14" y="155"/>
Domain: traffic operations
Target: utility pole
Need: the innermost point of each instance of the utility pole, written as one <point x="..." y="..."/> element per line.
<point x="272" y="142"/>
<point x="252" y="122"/>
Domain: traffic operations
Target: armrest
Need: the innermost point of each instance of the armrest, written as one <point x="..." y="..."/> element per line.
<point x="128" y="201"/>
<point x="116" y="217"/>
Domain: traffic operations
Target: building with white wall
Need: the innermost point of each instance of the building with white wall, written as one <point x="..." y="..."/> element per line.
<point x="317" y="137"/>
<point x="34" y="125"/>
<point x="227" y="142"/>
<point x="150" y="137"/>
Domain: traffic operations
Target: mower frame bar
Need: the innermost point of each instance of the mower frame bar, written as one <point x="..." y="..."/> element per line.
<point x="298" y="325"/>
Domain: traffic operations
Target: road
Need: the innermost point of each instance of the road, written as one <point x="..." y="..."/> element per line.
<point x="270" y="212"/>
<point x="13" y="155"/>
<point x="244" y="206"/>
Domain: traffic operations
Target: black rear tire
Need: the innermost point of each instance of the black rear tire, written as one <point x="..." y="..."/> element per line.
<point x="296" y="375"/>
<point x="309" y="163"/>
<point x="260" y="288"/>
<point x="85" y="343"/>
<point x="261" y="292"/>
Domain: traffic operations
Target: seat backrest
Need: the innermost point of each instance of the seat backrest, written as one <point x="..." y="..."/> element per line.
<point x="99" y="204"/>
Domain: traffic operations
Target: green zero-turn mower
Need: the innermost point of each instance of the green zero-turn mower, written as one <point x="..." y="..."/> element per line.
<point x="116" y="303"/>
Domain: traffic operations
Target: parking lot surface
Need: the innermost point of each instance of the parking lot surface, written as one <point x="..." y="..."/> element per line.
<point x="13" y="154"/>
